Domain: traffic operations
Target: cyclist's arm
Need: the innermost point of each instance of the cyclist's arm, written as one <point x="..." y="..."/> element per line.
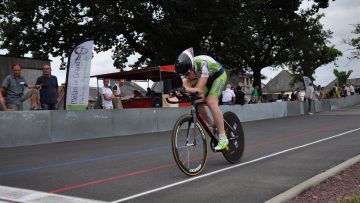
<point x="199" y="88"/>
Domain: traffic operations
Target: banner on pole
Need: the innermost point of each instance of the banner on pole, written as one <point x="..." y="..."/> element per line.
<point x="307" y="81"/>
<point x="78" y="76"/>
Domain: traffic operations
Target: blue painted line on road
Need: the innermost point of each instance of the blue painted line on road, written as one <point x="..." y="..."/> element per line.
<point x="82" y="161"/>
<point x="261" y="131"/>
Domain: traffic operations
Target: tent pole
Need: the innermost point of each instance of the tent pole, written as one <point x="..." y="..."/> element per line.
<point x="161" y="82"/>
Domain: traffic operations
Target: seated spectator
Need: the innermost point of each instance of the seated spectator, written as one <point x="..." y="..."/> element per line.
<point x="239" y="96"/>
<point x="137" y="94"/>
<point x="253" y="100"/>
<point x="228" y="96"/>
<point x="149" y="92"/>
<point x="14" y="86"/>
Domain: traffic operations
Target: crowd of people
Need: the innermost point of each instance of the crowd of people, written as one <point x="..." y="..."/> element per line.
<point x="231" y="96"/>
<point x="44" y="94"/>
<point x="110" y="96"/>
<point x="15" y="90"/>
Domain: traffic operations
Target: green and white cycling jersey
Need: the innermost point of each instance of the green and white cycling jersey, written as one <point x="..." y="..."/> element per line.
<point x="207" y="67"/>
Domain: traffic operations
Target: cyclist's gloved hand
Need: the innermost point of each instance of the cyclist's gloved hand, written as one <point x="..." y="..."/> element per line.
<point x="180" y="91"/>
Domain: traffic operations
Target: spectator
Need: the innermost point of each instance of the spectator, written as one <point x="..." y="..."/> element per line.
<point x="343" y="92"/>
<point x="280" y="97"/>
<point x="352" y="89"/>
<point x="118" y="94"/>
<point x="309" y="94"/>
<point x="253" y="100"/>
<point x="3" y="104"/>
<point x="137" y="94"/>
<point x="255" y="92"/>
<point x="337" y="91"/>
<point x="332" y="93"/>
<point x="358" y="90"/>
<point x="297" y="94"/>
<point x="316" y="92"/>
<point x="239" y="96"/>
<point x="149" y="92"/>
<point x="293" y="96"/>
<point x="107" y="95"/>
<point x="48" y="89"/>
<point x="347" y="88"/>
<point x="283" y="97"/>
<point x="228" y="96"/>
<point x="322" y="93"/>
<point x="14" y="86"/>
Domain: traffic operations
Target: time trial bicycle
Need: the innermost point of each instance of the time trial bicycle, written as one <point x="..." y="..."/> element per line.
<point x="189" y="141"/>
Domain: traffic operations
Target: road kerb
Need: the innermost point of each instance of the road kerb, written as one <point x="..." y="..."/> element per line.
<point x="293" y="192"/>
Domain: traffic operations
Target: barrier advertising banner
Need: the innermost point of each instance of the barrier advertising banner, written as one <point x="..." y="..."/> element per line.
<point x="78" y="76"/>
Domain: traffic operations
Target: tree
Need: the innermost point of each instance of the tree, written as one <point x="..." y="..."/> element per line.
<point x="355" y="42"/>
<point x="342" y="76"/>
<point x="272" y="33"/>
<point x="242" y="35"/>
<point x="157" y="30"/>
<point x="312" y="51"/>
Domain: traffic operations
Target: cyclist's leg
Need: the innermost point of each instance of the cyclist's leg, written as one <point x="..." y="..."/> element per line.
<point x="213" y="102"/>
<point x="206" y="115"/>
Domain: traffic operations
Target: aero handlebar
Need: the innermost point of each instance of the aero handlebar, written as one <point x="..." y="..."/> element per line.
<point x="185" y="98"/>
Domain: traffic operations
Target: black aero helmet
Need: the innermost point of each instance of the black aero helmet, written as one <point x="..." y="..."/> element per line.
<point x="185" y="62"/>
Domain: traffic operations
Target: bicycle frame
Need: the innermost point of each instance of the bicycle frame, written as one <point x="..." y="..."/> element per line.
<point x="196" y="116"/>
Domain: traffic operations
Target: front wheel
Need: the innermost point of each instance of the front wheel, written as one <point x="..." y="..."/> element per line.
<point x="235" y="134"/>
<point x="189" y="145"/>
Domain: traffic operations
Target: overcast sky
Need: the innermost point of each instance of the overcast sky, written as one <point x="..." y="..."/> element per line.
<point x="340" y="17"/>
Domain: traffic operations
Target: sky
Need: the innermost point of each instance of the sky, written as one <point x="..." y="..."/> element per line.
<point x="340" y="17"/>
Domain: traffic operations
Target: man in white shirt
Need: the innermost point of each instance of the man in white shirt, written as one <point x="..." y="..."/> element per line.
<point x="107" y="95"/>
<point x="347" y="88"/>
<point x="352" y="89"/>
<point x="228" y="96"/>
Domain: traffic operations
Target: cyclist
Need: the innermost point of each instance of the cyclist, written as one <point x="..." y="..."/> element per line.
<point x="210" y="80"/>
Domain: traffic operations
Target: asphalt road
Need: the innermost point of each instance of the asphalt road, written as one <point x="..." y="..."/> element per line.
<point x="279" y="154"/>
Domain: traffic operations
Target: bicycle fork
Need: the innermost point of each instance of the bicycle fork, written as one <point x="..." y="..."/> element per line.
<point x="194" y="134"/>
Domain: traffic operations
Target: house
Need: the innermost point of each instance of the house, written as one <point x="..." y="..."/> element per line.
<point x="281" y="84"/>
<point x="244" y="80"/>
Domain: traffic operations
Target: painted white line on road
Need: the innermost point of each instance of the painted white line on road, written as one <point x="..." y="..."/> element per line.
<point x="11" y="194"/>
<point x="230" y="167"/>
